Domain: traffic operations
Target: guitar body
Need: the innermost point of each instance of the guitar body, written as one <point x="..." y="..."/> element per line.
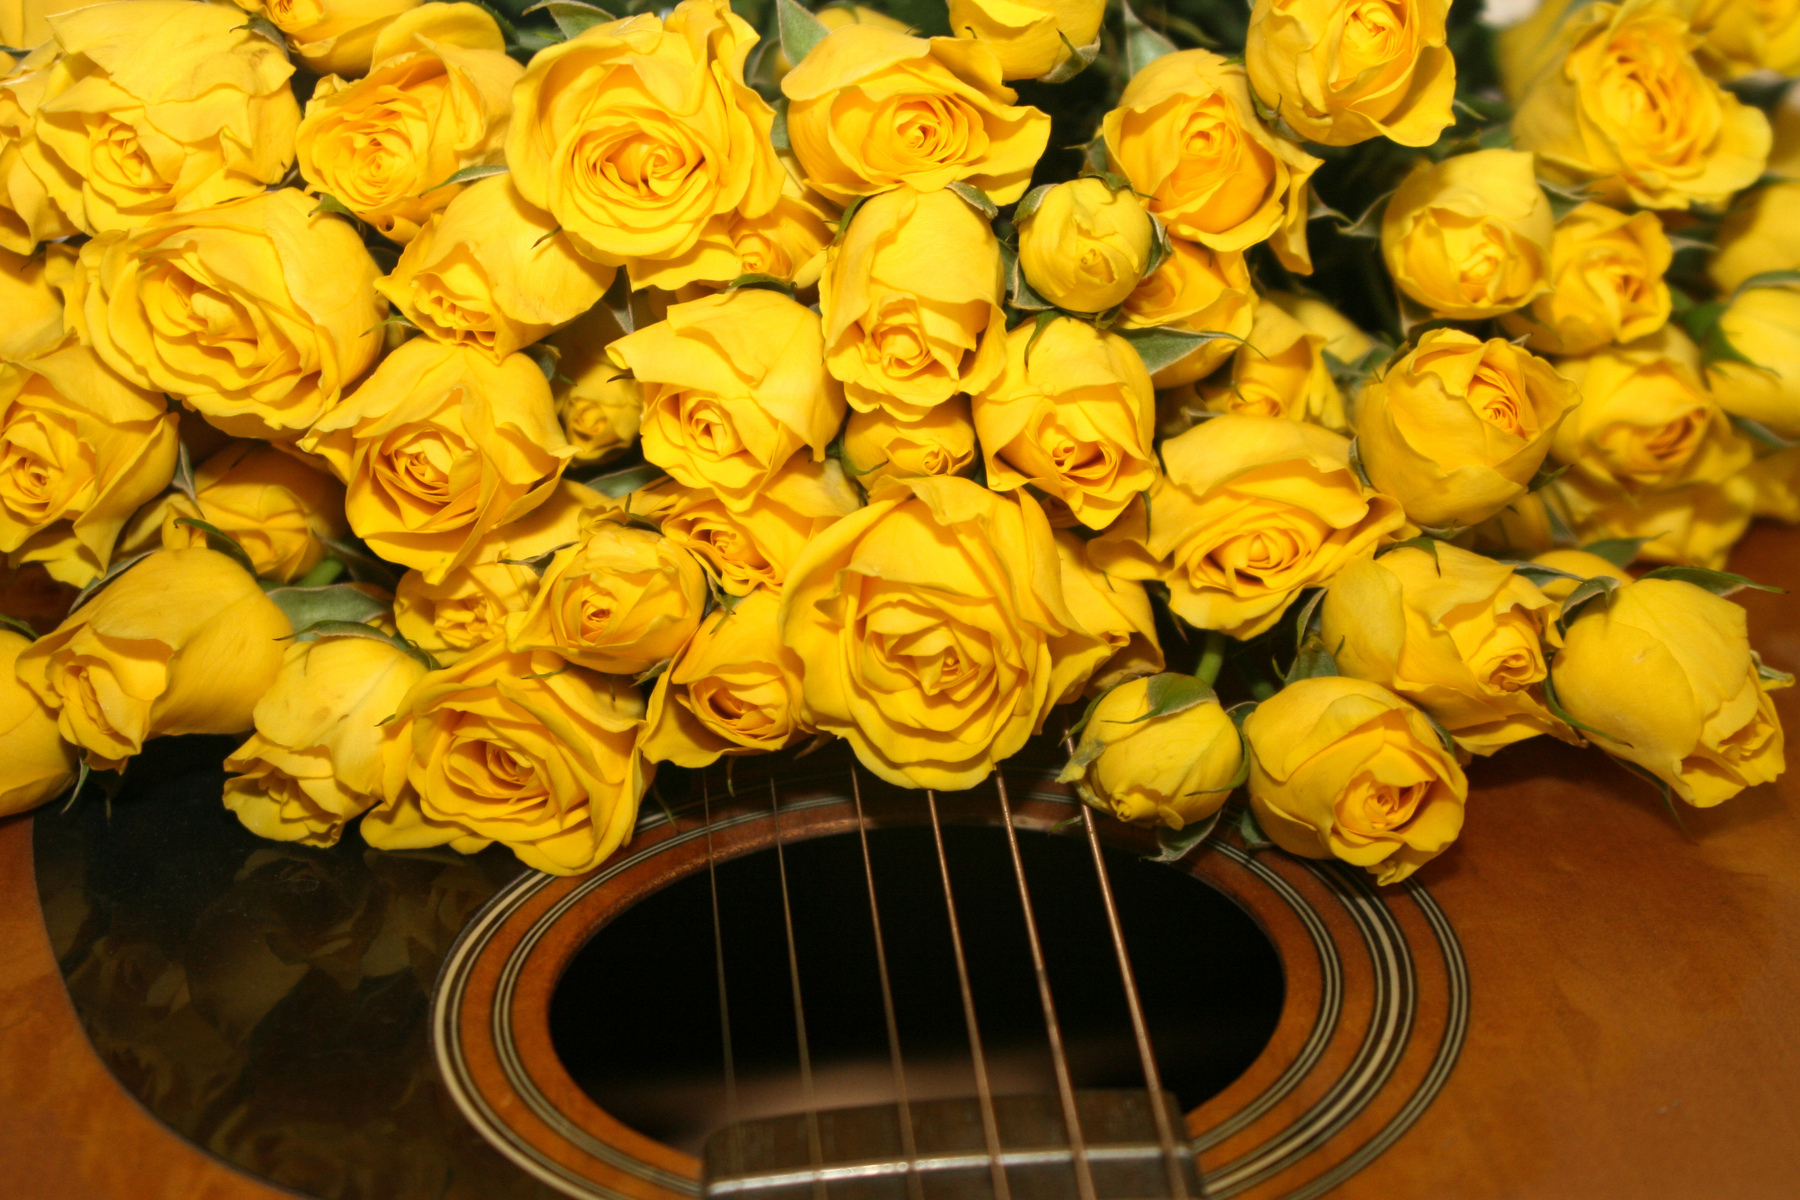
<point x="1600" y="1004"/>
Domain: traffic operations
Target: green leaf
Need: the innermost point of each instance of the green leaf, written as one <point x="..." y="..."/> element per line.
<point x="621" y="483"/>
<point x="1767" y="279"/>
<point x="1170" y="693"/>
<point x="469" y="175"/>
<point x="81" y="777"/>
<point x="1575" y="601"/>
<point x="1350" y="376"/>
<point x="217" y="539"/>
<point x="1250" y="830"/>
<point x="778" y="129"/>
<point x="844" y="218"/>
<point x="1028" y="203"/>
<point x="265" y="28"/>
<point x="1173" y="845"/>
<point x="1080" y="59"/>
<point x="1162" y="346"/>
<point x="356" y="629"/>
<point x="1545" y="476"/>
<point x="1756" y="431"/>
<point x="538" y="563"/>
<point x="1443" y="735"/>
<point x="547" y="358"/>
<point x="773" y="283"/>
<point x="1020" y="294"/>
<point x="572" y="17"/>
<point x="1771" y="677"/>
<point x="1143" y="45"/>
<point x="800" y="30"/>
<point x="1042" y="320"/>
<point x="1428" y="544"/>
<point x="119" y="567"/>
<point x="363" y="566"/>
<point x="18" y="626"/>
<point x="1661" y="785"/>
<point x="1537" y="573"/>
<point x="1565" y="199"/>
<point x="331" y="204"/>
<point x="1719" y="583"/>
<point x="562" y="670"/>
<point x="1369" y="224"/>
<point x="1356" y="463"/>
<point x="653" y="674"/>
<point x="975" y="198"/>
<point x="307" y="606"/>
<point x="1620" y="552"/>
<point x="1554" y="704"/>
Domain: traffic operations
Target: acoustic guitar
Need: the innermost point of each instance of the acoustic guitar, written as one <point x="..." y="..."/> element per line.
<point x="1582" y="999"/>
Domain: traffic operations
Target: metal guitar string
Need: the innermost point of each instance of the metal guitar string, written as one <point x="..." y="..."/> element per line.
<point x="712" y="875"/>
<point x="1084" y="1179"/>
<point x="908" y="1144"/>
<point x="984" y="1095"/>
<point x="814" y="1148"/>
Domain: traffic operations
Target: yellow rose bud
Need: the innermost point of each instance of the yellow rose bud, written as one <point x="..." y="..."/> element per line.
<point x="598" y="402"/>
<point x="910" y="299"/>
<point x="256" y="313"/>
<point x="622" y="600"/>
<point x="942" y="442"/>
<point x="1199" y="290"/>
<point x="1762" y="324"/>
<point x="159" y="105"/>
<point x="1645" y="420"/>
<point x="735" y="689"/>
<point x="1342" y="768"/>
<point x="1694" y="524"/>
<point x="1456" y="430"/>
<point x="436" y="102"/>
<point x="183" y="642"/>
<point x="1187" y="137"/>
<point x="1520" y="529"/>
<point x="1661" y="671"/>
<point x="440" y="446"/>
<point x="934" y="631"/>
<point x="280" y="508"/>
<point x="1457" y="633"/>
<point x="27" y="213"/>
<point x="1575" y="562"/>
<point x="871" y="109"/>
<point x="1035" y="39"/>
<point x="1281" y="372"/>
<point x="1073" y="415"/>
<point x="31" y="300"/>
<point x="1761" y="232"/>
<point x="1621" y="101"/>
<point x="1343" y="340"/>
<point x="1117" y="611"/>
<point x="323" y="741"/>
<point x="35" y="763"/>
<point x="82" y="450"/>
<point x="1739" y="38"/>
<point x="787" y="242"/>
<point x="756" y="546"/>
<point x="1775" y="480"/>
<point x="1250" y="511"/>
<point x="836" y="16"/>
<point x="672" y="144"/>
<point x="520" y="749"/>
<point x="1606" y="276"/>
<point x="1085" y="246"/>
<point x="1470" y="237"/>
<point x="493" y="272"/>
<point x="1341" y="72"/>
<point x="733" y="385"/>
<point x="1171" y="769"/>
<point x="333" y="37"/>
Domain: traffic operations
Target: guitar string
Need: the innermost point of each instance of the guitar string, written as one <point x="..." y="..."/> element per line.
<point x="908" y="1144"/>
<point x="712" y="874"/>
<point x="814" y="1149"/>
<point x="984" y="1096"/>
<point x="1084" y="1179"/>
<point x="1140" y="1028"/>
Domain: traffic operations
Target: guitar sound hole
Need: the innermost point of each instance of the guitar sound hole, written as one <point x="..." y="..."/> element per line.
<point x="635" y="1018"/>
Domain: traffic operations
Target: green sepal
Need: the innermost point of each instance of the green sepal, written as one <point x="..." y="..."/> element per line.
<point x="1369" y="224"/>
<point x="616" y="484"/>
<point x="1661" y="785"/>
<point x="1554" y="704"/>
<point x="778" y="128"/>
<point x="356" y="629"/>
<point x="1173" y="845"/>
<point x="653" y="674"/>
<point x="329" y="203"/>
<point x="1620" y="552"/>
<point x="1584" y="593"/>
<point x="1537" y="573"/>
<point x="265" y="28"/>
<point x="572" y="17"/>
<point x="1771" y="678"/>
<point x="562" y="670"/>
<point x="19" y="627"/>
<point x="1028" y="203"/>
<point x="1565" y="199"/>
<point x="119" y="567"/>
<point x="1163" y="346"/>
<point x="538" y="563"/>
<point x="1170" y="693"/>
<point x="183" y="479"/>
<point x="975" y="198"/>
<point x="1143" y="45"/>
<point x="1756" y="431"/>
<point x="1767" y="279"/>
<point x="469" y="175"/>
<point x="800" y="30"/>
<point x="773" y="283"/>
<point x="306" y="607"/>
<point x="1251" y="831"/>
<point x="218" y="540"/>
<point x="1080" y="59"/>
<point x="547" y="357"/>
<point x="363" y="566"/>
<point x="1423" y="542"/>
<point x="1719" y="583"/>
<point x="1354" y="456"/>
<point x="1545" y="476"/>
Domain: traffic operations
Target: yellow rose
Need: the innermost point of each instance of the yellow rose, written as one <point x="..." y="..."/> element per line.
<point x="787" y="242"/>
<point x="1084" y="247"/>
<point x="870" y="109"/>
<point x="1172" y="769"/>
<point x="1606" y="279"/>
<point x="641" y="139"/>
<point x="1281" y="372"/>
<point x="1250" y="511"/>
<point x="1623" y="102"/>
<point x="436" y="102"/>
<point x="1072" y="415"/>
<point x="742" y="549"/>
<point x="31" y="298"/>
<point x="520" y="749"/>
<point x="1762" y="324"/>
<point x="333" y="37"/>
<point x="1456" y="430"/>
<point x="1343" y="340"/>
<point x="440" y="446"/>
<point x="1035" y="39"/>
<point x="1470" y="237"/>
<point x="183" y="642"/>
<point x="493" y="272"/>
<point x="621" y="600"/>
<point x="81" y="449"/>
<point x="734" y="386"/>
<point x="1199" y="291"/>
<point x="599" y="404"/>
<point x="1457" y="633"/>
<point x="255" y="313"/>
<point x="942" y="442"/>
<point x="1761" y="232"/>
<point x="910" y="299"/>
<point x="735" y="689"/>
<point x="1742" y="37"/>
<point x="1344" y="71"/>
<point x="35" y="763"/>
<point x="1662" y="672"/>
<point x="1775" y="483"/>
<point x="1645" y="421"/>
<point x="469" y="606"/>
<point x="1342" y="768"/>
<point x="323" y="741"/>
<point x="1575" y="562"/>
<point x="1520" y="529"/>
<point x="1692" y="524"/>
<point x="836" y="16"/>
<point x="25" y="23"/>
<point x="1117" y="611"/>
<point x="27" y="214"/>
<point x="934" y="631"/>
<point x="1188" y="138"/>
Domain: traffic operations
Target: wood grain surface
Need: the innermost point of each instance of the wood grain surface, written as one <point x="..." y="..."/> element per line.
<point x="1636" y="997"/>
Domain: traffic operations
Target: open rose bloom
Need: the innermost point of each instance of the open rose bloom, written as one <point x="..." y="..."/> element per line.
<point x="477" y="416"/>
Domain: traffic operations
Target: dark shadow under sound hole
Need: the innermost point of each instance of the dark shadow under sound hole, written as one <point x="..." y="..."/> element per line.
<point x="635" y="1017"/>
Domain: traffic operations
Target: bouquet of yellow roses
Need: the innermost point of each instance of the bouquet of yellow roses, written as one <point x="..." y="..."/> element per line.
<point x="480" y="406"/>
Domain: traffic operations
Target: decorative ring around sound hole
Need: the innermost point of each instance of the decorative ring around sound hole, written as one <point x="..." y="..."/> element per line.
<point x="1374" y="1016"/>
